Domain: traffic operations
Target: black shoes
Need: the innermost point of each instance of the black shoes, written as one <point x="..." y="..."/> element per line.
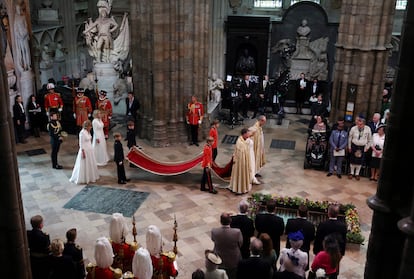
<point x="339" y="176"/>
<point x="203" y="189"/>
<point x="329" y="174"/>
<point x="127" y="180"/>
<point x="257" y="175"/>
<point x="58" y="167"/>
<point x="214" y="191"/>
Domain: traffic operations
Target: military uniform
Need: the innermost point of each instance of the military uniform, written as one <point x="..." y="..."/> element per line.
<point x="75" y="252"/>
<point x="164" y="266"/>
<point x="39" y="243"/>
<point x="53" y="101"/>
<point x="55" y="129"/>
<point x="82" y="108"/>
<point x="95" y="272"/>
<point x="124" y="253"/>
<point x="105" y="106"/>
<point x="194" y="117"/>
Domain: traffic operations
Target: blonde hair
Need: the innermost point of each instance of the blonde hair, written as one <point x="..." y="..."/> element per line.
<point x="95" y="113"/>
<point x="56" y="247"/>
<point x="87" y="123"/>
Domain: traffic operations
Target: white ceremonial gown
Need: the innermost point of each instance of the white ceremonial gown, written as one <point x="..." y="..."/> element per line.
<point x="85" y="169"/>
<point x="100" y="149"/>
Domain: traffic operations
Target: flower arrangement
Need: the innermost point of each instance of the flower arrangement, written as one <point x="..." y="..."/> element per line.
<point x="258" y="200"/>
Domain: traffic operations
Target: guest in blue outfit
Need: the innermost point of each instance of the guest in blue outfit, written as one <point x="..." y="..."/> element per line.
<point x="338" y="141"/>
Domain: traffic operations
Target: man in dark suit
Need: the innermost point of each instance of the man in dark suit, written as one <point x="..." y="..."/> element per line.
<point x="132" y="106"/>
<point x="248" y="95"/>
<point x="19" y="117"/>
<point x="245" y="224"/>
<point x="254" y="266"/>
<point x="331" y="226"/>
<point x="302" y="224"/>
<point x="227" y="243"/>
<point x="268" y="222"/>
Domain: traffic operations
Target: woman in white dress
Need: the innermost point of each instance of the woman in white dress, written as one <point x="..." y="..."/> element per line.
<point x="250" y="141"/>
<point x="98" y="141"/>
<point x="85" y="169"/>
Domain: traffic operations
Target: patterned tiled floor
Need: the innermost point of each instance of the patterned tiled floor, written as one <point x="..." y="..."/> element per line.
<point x="46" y="190"/>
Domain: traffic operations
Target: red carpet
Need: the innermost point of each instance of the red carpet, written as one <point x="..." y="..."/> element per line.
<point x="138" y="158"/>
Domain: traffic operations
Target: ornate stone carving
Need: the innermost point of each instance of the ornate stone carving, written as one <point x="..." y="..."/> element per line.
<point x="106" y="43"/>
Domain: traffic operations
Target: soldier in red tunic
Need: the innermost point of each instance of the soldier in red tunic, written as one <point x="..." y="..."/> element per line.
<point x="104" y="258"/>
<point x="124" y="252"/>
<point x="105" y="106"/>
<point x="194" y="118"/>
<point x="82" y="108"/>
<point x="53" y="101"/>
<point x="164" y="263"/>
<point x="206" y="165"/>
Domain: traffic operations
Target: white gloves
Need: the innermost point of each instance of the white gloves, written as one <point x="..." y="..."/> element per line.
<point x="188" y="122"/>
<point x="89" y="115"/>
<point x="74" y="115"/>
<point x="199" y="122"/>
<point x="109" y="117"/>
<point x="60" y="109"/>
<point x="47" y="113"/>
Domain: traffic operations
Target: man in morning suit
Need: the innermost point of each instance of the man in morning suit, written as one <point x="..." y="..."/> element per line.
<point x="302" y="224"/>
<point x="268" y="222"/>
<point x="227" y="243"/>
<point x="246" y="225"/>
<point x="254" y="266"/>
<point x="331" y="226"/>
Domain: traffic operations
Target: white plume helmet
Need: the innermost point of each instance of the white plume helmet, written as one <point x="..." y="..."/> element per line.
<point x="154" y="240"/>
<point x="50" y="86"/>
<point x="142" y="264"/>
<point x="104" y="255"/>
<point x="118" y="228"/>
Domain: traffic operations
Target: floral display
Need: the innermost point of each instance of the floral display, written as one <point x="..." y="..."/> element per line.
<point x="348" y="211"/>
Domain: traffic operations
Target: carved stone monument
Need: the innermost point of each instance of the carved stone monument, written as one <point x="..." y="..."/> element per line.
<point x="108" y="44"/>
<point x="310" y="57"/>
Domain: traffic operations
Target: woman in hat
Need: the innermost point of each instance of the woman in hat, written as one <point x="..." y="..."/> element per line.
<point x="212" y="270"/>
<point x="293" y="254"/>
<point x="378" y="139"/>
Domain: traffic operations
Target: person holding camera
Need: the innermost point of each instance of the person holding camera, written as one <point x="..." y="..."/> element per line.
<point x="377" y="146"/>
<point x="55" y="132"/>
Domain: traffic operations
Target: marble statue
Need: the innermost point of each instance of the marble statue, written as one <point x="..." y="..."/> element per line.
<point x="46" y="61"/>
<point x="59" y="53"/>
<point x="303" y="29"/>
<point x="215" y="87"/>
<point x="22" y="39"/>
<point x="100" y="36"/>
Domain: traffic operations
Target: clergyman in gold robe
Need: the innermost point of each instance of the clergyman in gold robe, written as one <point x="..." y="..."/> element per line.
<point x="258" y="139"/>
<point x="241" y="180"/>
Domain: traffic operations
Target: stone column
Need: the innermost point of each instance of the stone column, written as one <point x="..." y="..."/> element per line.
<point x="14" y="254"/>
<point x="70" y="34"/>
<point x="217" y="39"/>
<point x="170" y="64"/>
<point x="394" y="201"/>
<point x="364" y="40"/>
